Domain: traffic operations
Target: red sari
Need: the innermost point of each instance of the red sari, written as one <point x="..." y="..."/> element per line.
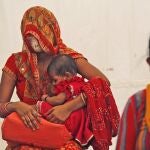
<point x="22" y="66"/>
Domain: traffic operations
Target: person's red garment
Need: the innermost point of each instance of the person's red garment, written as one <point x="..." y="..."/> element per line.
<point x="78" y="122"/>
<point x="103" y="112"/>
<point x="49" y="135"/>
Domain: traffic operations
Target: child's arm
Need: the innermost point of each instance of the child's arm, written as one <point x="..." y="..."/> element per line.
<point x="55" y="100"/>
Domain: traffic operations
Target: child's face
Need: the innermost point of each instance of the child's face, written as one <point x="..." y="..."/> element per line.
<point x="56" y="79"/>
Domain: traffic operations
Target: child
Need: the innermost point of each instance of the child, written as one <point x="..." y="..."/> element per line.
<point x="66" y="84"/>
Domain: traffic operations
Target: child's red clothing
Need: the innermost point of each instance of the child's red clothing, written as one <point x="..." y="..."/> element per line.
<point x="78" y="123"/>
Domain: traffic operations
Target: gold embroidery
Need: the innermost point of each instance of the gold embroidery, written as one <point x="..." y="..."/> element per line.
<point x="10" y="73"/>
<point x="29" y="91"/>
<point x="25" y="71"/>
<point x="32" y="15"/>
<point x="40" y="21"/>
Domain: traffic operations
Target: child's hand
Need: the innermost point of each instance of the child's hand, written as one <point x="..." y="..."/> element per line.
<point x="43" y="97"/>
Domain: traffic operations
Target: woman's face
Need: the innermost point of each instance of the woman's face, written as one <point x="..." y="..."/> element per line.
<point x="34" y="44"/>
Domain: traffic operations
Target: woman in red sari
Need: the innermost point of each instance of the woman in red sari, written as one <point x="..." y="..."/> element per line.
<point x="26" y="71"/>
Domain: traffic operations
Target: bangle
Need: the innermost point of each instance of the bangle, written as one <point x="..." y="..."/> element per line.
<point x="3" y="107"/>
<point x="39" y="106"/>
<point x="83" y="98"/>
<point x="45" y="99"/>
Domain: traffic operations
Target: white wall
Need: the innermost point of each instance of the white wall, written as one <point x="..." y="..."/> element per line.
<point x="112" y="34"/>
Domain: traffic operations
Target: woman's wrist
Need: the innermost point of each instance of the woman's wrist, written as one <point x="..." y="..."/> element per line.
<point x="68" y="107"/>
<point x="11" y="107"/>
<point x="75" y="104"/>
<point x="6" y="108"/>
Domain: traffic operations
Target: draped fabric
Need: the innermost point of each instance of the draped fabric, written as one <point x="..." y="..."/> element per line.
<point x="103" y="112"/>
<point x="71" y="87"/>
<point x="78" y="124"/>
<point x="134" y="130"/>
<point x="101" y="109"/>
<point x="49" y="135"/>
<point x="70" y="145"/>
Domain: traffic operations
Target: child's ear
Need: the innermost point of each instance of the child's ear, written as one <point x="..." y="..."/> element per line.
<point x="148" y="60"/>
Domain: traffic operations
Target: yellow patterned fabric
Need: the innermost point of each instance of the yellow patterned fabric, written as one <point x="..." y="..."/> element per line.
<point x="147" y="112"/>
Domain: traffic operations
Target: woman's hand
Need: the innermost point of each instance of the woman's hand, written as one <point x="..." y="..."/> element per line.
<point x="28" y="114"/>
<point x="58" y="114"/>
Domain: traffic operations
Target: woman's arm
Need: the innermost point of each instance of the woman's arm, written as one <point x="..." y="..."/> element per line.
<point x="89" y="71"/>
<point x="59" y="114"/>
<point x="26" y="112"/>
<point x="7" y="86"/>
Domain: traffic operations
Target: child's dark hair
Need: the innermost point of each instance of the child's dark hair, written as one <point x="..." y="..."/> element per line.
<point x="61" y="64"/>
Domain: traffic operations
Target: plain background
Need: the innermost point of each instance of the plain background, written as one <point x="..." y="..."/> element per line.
<point x="112" y="34"/>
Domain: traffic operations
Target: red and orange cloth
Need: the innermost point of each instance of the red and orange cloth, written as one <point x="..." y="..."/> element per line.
<point x="102" y="115"/>
<point x="70" y="145"/>
<point x="49" y="135"/>
<point x="147" y="113"/>
<point x="78" y="124"/>
<point x="102" y="111"/>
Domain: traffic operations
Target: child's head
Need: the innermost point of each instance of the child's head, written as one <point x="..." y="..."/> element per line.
<point x="62" y="67"/>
